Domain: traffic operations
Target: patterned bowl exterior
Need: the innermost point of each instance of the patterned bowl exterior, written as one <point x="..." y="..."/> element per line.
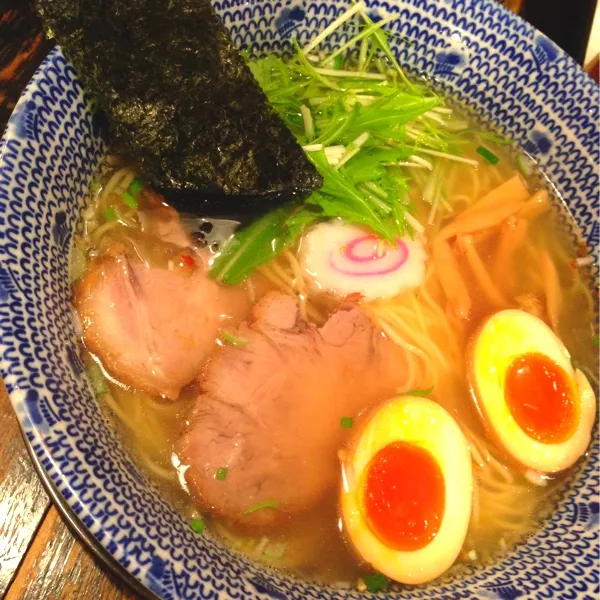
<point x="481" y="55"/>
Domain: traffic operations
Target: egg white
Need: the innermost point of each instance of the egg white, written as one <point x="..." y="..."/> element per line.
<point x="426" y="424"/>
<point x="503" y="338"/>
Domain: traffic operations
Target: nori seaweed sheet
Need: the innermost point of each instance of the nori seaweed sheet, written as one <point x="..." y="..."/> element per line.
<point x="183" y="102"/>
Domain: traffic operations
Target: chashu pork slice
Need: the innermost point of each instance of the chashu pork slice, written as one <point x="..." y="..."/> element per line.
<point x="152" y="328"/>
<point x="270" y="410"/>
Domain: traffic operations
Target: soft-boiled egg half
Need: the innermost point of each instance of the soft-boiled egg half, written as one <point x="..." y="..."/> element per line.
<point x="531" y="399"/>
<point x="407" y="489"/>
<point x="345" y="259"/>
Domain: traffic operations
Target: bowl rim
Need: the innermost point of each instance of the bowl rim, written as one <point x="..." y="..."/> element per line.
<point x="66" y="511"/>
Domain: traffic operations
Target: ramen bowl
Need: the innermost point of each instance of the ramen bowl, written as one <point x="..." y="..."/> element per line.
<point x="490" y="62"/>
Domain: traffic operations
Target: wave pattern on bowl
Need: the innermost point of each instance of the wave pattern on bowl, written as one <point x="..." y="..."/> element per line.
<point x="482" y="56"/>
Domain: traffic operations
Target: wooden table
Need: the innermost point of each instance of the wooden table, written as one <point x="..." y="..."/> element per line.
<point x="39" y="556"/>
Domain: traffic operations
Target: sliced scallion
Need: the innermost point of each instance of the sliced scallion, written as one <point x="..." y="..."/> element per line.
<point x="221" y="473"/>
<point x="231" y="339"/>
<point x="97" y="379"/>
<point x="261" y="505"/>
<point x="419" y="392"/>
<point x="376" y="582"/>
<point x="489" y="156"/>
<point x="198" y="525"/>
<point x="129" y="200"/>
<point x="135" y="186"/>
<point x="346" y="422"/>
<point x="110" y="214"/>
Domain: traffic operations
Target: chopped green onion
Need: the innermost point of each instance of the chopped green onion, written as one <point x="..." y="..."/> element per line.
<point x="110" y="214"/>
<point x="376" y="582"/>
<point x="419" y="392"/>
<point x="489" y="156"/>
<point x="596" y="341"/>
<point x="294" y="118"/>
<point x="135" y="186"/>
<point x="221" y="473"/>
<point x="97" y="379"/>
<point x="338" y="62"/>
<point x="198" y="525"/>
<point x="346" y="422"/>
<point x="524" y="165"/>
<point x="227" y="337"/>
<point x="260" y="505"/>
<point x="94" y="187"/>
<point x="129" y="200"/>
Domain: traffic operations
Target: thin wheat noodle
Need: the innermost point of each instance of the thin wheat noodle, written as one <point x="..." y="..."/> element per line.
<point x="459" y="199"/>
<point x="392" y="317"/>
<point x="102" y="230"/>
<point x="118" y="412"/>
<point x="274" y="278"/>
<point x="484" y="181"/>
<point x="501" y="469"/>
<point x="395" y="337"/>
<point x="160" y="406"/>
<point x="158" y="470"/>
<point x="299" y="283"/>
<point x="495" y="172"/>
<point x="297" y="271"/>
<point x="123" y="185"/>
<point x="284" y="282"/>
<point x="475" y="183"/>
<point x="420" y="178"/>
<point x="426" y="296"/>
<point x="419" y="311"/>
<point x="451" y="177"/>
<point x="476" y="455"/>
<point x="421" y="338"/>
<point x="110" y="186"/>
<point x="446" y="204"/>
<point x="404" y="342"/>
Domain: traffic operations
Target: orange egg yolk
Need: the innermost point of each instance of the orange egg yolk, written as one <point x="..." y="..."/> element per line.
<point x="404" y="496"/>
<point x="541" y="398"/>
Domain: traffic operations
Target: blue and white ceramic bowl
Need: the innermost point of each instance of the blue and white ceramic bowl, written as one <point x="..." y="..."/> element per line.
<point x="479" y="54"/>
